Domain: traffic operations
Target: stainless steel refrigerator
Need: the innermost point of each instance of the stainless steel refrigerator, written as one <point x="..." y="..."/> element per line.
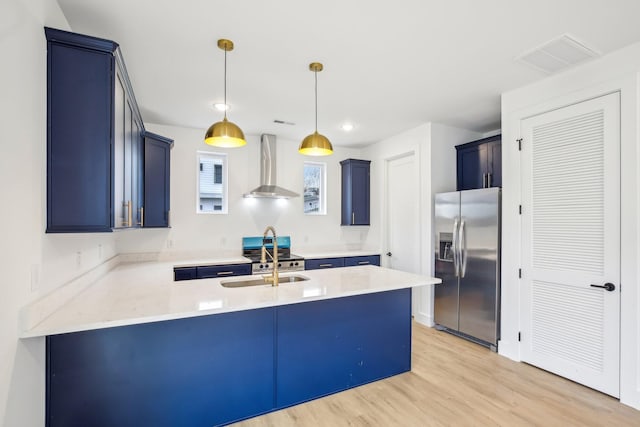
<point x="467" y="259"/>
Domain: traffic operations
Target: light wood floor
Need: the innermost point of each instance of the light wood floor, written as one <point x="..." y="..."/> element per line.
<point x="457" y="383"/>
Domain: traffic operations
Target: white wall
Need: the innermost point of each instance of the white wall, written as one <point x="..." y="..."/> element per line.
<point x="434" y="147"/>
<point x="221" y="235"/>
<point x="26" y="250"/>
<point x="618" y="71"/>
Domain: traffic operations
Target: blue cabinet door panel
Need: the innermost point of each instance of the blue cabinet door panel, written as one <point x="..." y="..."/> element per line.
<point x="156" y="180"/>
<point x="495" y="154"/>
<point x="201" y="371"/>
<point x="362" y="260"/>
<point x="207" y="272"/>
<point x="184" y="273"/>
<point x="355" y="192"/>
<point x="79" y="187"/>
<point x="331" y="345"/>
<point x="471" y="168"/>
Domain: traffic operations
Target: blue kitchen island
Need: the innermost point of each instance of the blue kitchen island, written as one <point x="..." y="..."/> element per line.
<point x="229" y="361"/>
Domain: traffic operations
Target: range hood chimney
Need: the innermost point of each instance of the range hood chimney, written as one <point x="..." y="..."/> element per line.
<point x="268" y="187"/>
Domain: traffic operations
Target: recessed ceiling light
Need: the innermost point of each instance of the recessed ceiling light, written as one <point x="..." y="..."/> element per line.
<point x="221" y="107"/>
<point x="347" y="127"/>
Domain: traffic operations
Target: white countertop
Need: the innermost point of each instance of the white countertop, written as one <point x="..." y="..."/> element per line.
<point x="145" y="292"/>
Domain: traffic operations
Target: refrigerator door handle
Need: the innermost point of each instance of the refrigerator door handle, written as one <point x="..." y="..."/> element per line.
<point x="462" y="249"/>
<point x="454" y="243"/>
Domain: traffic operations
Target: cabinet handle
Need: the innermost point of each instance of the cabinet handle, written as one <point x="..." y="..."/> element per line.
<point x="363" y="262"/>
<point x="489" y="180"/>
<point x="484" y="180"/>
<point x="325" y="265"/>
<point x="141" y="223"/>
<point x="224" y="273"/>
<point x="128" y="222"/>
<point x="353" y="218"/>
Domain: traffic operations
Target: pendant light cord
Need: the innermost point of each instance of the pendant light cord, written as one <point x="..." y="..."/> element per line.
<point x="226" y="107"/>
<point x="315" y="73"/>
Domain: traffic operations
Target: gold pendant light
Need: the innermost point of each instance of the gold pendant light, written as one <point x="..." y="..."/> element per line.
<point x="225" y="133"/>
<point x="316" y="144"/>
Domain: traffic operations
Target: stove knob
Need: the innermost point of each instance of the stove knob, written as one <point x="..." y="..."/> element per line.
<point x="261" y="265"/>
<point x="296" y="264"/>
<point x="279" y="264"/>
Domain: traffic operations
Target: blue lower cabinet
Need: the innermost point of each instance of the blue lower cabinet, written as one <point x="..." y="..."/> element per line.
<point x="213" y="271"/>
<point x="217" y="369"/>
<point x="200" y="371"/>
<point x="362" y="260"/>
<point x="316" y="264"/>
<point x="319" y="263"/>
<point x="332" y="345"/>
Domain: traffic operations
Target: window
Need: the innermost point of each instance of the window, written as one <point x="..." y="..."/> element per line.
<point x="212" y="183"/>
<point x="315" y="199"/>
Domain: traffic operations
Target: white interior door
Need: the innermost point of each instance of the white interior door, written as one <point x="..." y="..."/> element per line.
<point x="571" y="242"/>
<point x="403" y="221"/>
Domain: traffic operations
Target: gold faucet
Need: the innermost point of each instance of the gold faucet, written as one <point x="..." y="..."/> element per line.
<point x="274" y="279"/>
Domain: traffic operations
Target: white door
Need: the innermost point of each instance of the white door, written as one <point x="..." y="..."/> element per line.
<point x="403" y="222"/>
<point x="571" y="242"/>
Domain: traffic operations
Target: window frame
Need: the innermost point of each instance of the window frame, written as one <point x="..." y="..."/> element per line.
<point x="322" y="192"/>
<point x="225" y="181"/>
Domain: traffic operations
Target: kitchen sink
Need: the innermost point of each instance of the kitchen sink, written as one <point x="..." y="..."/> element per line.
<point x="261" y="281"/>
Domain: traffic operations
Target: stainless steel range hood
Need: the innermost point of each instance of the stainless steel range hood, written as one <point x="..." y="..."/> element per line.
<point x="268" y="187"/>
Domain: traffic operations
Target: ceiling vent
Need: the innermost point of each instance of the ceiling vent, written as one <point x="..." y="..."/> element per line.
<point x="558" y="54"/>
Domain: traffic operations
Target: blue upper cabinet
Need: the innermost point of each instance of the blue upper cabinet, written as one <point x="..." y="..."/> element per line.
<point x="95" y="147"/>
<point x="80" y="86"/>
<point x="479" y="164"/>
<point x="355" y="192"/>
<point x="157" y="154"/>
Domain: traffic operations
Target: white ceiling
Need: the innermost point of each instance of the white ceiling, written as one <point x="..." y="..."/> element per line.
<point x="388" y="66"/>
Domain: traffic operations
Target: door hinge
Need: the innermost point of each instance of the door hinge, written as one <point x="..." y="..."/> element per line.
<point x="519" y="273"/>
<point x="519" y="337"/>
<point x="520" y="209"/>
<point x="519" y="141"/>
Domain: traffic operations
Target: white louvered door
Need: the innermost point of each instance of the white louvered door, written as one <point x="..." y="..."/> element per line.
<point x="571" y="241"/>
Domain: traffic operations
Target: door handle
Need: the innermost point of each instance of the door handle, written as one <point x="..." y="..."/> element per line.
<point x="456" y="261"/>
<point x="607" y="286"/>
<point x="388" y="253"/>
<point x="462" y="243"/>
